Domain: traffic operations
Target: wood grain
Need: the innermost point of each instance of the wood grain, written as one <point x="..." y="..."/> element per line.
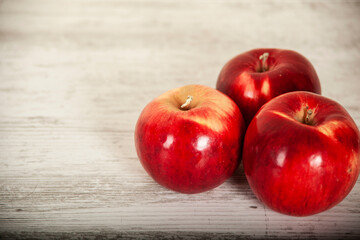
<point x="74" y="76"/>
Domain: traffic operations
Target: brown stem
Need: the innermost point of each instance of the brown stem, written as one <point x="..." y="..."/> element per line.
<point x="307" y="115"/>
<point x="187" y="102"/>
<point x="263" y="58"/>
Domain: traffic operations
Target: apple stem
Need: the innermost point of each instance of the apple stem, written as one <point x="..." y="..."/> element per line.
<point x="307" y="115"/>
<point x="187" y="102"/>
<point x="263" y="59"/>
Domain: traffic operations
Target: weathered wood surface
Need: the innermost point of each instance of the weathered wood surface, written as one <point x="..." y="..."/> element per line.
<point x="74" y="76"/>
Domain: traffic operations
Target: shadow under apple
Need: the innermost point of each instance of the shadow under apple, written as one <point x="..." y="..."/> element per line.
<point x="238" y="180"/>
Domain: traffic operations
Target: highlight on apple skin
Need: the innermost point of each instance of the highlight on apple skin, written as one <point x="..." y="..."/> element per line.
<point x="189" y="139"/>
<point x="301" y="154"/>
<point x="254" y="77"/>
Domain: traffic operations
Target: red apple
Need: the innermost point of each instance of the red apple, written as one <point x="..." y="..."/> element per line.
<point x="301" y="153"/>
<point x="189" y="139"/>
<point x="254" y="77"/>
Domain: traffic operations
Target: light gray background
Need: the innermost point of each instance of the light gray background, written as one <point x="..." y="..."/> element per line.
<point x="74" y="76"/>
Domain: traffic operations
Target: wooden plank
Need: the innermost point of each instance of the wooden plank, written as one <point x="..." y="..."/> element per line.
<point x="74" y="77"/>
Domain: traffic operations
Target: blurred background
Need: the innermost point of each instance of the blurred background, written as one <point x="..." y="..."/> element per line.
<point x="75" y="74"/>
<point x="76" y="49"/>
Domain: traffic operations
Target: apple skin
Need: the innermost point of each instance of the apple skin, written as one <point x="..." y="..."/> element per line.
<point x="243" y="79"/>
<point x="296" y="168"/>
<point x="191" y="150"/>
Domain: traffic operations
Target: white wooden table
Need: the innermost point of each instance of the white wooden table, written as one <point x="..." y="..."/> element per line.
<point x="74" y="76"/>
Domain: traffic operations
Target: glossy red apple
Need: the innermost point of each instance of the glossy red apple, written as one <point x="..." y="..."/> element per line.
<point x="254" y="77"/>
<point x="189" y="139"/>
<point x="301" y="153"/>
